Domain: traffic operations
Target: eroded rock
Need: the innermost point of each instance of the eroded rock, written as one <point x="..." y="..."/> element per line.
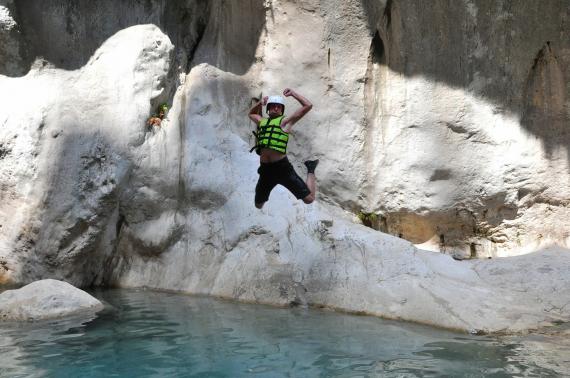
<point x="434" y="125"/>
<point x="45" y="299"/>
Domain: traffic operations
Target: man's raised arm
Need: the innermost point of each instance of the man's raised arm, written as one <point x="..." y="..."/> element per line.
<point x="306" y="106"/>
<point x="256" y="110"/>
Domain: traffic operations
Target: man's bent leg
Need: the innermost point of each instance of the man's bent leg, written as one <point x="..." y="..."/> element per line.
<point x="312" y="184"/>
<point x="311" y="180"/>
<point x="259" y="205"/>
<point x="264" y="186"/>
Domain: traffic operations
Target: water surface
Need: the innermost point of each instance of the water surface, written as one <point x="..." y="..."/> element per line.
<point x="155" y="334"/>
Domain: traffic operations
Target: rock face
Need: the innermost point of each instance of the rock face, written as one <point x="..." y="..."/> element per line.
<point x="475" y="112"/>
<point x="448" y="121"/>
<point x="45" y="299"/>
<point x="66" y="157"/>
<point x="10" y="40"/>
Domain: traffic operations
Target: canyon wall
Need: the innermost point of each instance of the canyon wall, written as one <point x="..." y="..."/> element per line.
<point x="442" y="124"/>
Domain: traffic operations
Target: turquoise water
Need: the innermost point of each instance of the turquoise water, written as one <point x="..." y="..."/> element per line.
<point x="154" y="334"/>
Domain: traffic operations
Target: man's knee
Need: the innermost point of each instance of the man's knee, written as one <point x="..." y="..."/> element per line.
<point x="309" y="199"/>
<point x="259" y="205"/>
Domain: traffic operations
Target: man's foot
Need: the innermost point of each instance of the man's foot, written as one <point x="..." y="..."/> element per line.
<point x="311" y="165"/>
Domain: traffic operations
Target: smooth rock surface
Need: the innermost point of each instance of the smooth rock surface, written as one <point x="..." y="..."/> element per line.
<point x="45" y="299"/>
<point x="68" y="154"/>
<point x="429" y="117"/>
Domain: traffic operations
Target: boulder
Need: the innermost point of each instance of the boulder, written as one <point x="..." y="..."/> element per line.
<point x="45" y="299"/>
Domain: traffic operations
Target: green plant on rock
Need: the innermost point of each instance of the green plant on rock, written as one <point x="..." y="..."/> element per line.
<point x="367" y="218"/>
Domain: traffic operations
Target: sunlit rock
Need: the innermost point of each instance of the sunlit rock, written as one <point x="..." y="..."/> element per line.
<point x="45" y="299"/>
<point x="447" y="135"/>
<point x="68" y="153"/>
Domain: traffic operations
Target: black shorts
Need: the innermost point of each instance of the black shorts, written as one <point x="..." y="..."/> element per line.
<point x="279" y="172"/>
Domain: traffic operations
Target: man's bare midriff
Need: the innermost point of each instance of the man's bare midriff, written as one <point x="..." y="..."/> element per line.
<point x="270" y="156"/>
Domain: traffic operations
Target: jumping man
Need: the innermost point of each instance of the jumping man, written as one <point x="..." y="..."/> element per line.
<point x="272" y="137"/>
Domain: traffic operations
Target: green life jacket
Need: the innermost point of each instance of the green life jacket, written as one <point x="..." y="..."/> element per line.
<point x="270" y="135"/>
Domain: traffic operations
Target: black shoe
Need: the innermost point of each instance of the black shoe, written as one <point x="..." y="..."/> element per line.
<point x="311" y="165"/>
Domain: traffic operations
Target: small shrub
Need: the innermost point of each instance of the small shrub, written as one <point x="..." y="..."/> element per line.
<point x="367" y="219"/>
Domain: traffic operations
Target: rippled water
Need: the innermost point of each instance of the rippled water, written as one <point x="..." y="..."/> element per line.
<point x="164" y="335"/>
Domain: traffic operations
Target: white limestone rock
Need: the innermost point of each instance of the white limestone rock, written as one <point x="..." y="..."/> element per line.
<point x="437" y="146"/>
<point x="293" y="254"/>
<point x="417" y="121"/>
<point x="45" y="299"/>
<point x="67" y="153"/>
